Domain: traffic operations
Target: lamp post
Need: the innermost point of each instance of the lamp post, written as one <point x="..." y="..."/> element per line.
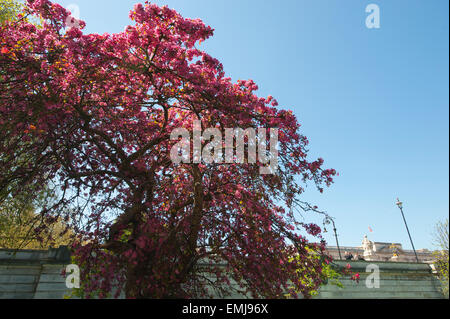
<point x="326" y="222"/>
<point x="400" y="205"/>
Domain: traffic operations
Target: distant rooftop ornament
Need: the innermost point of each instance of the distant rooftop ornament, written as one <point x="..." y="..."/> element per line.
<point x="399" y="203"/>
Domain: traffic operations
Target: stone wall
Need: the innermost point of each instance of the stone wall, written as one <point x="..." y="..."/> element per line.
<point x="29" y="274"/>
<point x="398" y="280"/>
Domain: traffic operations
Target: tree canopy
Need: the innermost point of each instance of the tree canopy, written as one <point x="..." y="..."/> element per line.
<point x="18" y="202"/>
<point x="95" y="113"/>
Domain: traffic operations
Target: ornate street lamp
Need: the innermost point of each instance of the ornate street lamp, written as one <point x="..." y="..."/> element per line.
<point x="400" y="205"/>
<point x="327" y="221"/>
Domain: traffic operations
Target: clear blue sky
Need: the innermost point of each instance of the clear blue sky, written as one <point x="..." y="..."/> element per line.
<point x="373" y="102"/>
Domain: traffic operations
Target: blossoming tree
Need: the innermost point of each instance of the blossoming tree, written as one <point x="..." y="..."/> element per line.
<point x="96" y="113"/>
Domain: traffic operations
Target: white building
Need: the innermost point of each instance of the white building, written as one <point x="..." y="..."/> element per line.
<point x="381" y="251"/>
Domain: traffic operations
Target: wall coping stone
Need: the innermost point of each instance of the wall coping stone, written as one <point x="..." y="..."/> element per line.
<point x="59" y="255"/>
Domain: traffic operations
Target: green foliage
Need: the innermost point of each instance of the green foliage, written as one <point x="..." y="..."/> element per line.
<point x="442" y="268"/>
<point x="330" y="274"/>
<point x="9" y="10"/>
<point x="442" y="258"/>
<point x="95" y="273"/>
<point x="18" y="221"/>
